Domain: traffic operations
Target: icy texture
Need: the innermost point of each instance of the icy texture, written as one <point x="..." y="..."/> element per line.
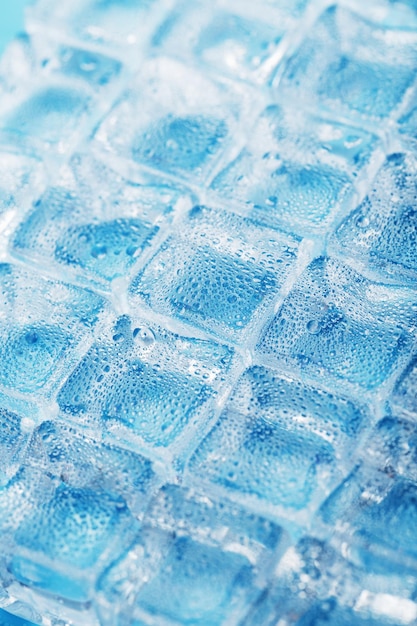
<point x="105" y="242"/>
<point x="346" y="63"/>
<point x="380" y="233"/>
<point x="208" y="314"/>
<point x="218" y="270"/>
<point x="335" y="321"/>
<point x="296" y="169"/>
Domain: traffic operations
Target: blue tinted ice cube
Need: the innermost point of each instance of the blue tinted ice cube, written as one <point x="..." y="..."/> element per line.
<point x="346" y="63"/>
<point x="258" y="449"/>
<point x="192" y="511"/>
<point x="220" y="553"/>
<point x="296" y="169"/>
<point x="391" y="447"/>
<point x="214" y="580"/>
<point x="37" y="339"/>
<point x="382" y="231"/>
<point x="50" y="115"/>
<point x="335" y="321"/>
<point x="235" y="40"/>
<point x="97" y="70"/>
<point x="134" y="382"/>
<point x="377" y="515"/>
<point x="299" y="406"/>
<point x="183" y="143"/>
<point x="182" y="132"/>
<point x="32" y="348"/>
<point x="68" y="454"/>
<point x="68" y="532"/>
<point x="219" y="271"/>
<point x="70" y="509"/>
<point x="393" y="521"/>
<point x="155" y="405"/>
<point x="305" y="572"/>
<point x="122" y="221"/>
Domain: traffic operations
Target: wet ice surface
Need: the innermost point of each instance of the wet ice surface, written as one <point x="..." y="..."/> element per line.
<point x="208" y="314"/>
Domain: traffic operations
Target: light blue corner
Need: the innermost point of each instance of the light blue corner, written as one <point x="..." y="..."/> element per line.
<point x="11" y="20"/>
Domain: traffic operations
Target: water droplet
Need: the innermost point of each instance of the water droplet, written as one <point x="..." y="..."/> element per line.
<point x="31" y="337"/>
<point x="313" y="327"/>
<point x="362" y="221"/>
<point x="98" y="251"/>
<point x="144" y="335"/>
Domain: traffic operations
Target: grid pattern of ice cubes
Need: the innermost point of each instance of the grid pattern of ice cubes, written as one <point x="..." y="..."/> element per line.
<point x="208" y="314"/>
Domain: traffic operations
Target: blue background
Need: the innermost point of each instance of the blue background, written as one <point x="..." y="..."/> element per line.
<point x="11" y="20"/>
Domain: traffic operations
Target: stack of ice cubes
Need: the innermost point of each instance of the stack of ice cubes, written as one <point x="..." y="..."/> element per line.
<point x="208" y="314"/>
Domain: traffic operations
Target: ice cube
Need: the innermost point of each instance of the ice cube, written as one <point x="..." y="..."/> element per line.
<point x="134" y="383"/>
<point x="296" y="169"/>
<point x="50" y="116"/>
<point x="234" y="39"/>
<point x="97" y="70"/>
<point x="114" y="24"/>
<point x="335" y="321"/>
<point x="181" y="132"/>
<point x="42" y="325"/>
<point x="122" y="221"/>
<point x="270" y="447"/>
<point x="376" y="514"/>
<point x="381" y="233"/>
<point x="75" y="499"/>
<point x="216" y="551"/>
<point x="390" y="447"/>
<point x="347" y="64"/>
<point x="74" y="457"/>
<point x="218" y="271"/>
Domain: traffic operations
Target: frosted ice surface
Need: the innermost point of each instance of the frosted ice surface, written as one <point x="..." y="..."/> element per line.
<point x="379" y="232"/>
<point x="295" y="161"/>
<point x="336" y="322"/>
<point x="217" y="270"/>
<point x="346" y="62"/>
<point x="208" y="314"/>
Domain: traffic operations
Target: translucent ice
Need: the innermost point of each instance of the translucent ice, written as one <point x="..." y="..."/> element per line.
<point x="273" y="442"/>
<point x="346" y="62"/>
<point x="381" y="232"/>
<point x="68" y="510"/>
<point x="134" y="382"/>
<point x="217" y="271"/>
<point x="217" y="553"/>
<point x="295" y="169"/>
<point x="35" y="342"/>
<point x="335" y="321"/>
<point x="124" y="218"/>
<point x="179" y="132"/>
<point x="208" y="330"/>
<point x="235" y="39"/>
